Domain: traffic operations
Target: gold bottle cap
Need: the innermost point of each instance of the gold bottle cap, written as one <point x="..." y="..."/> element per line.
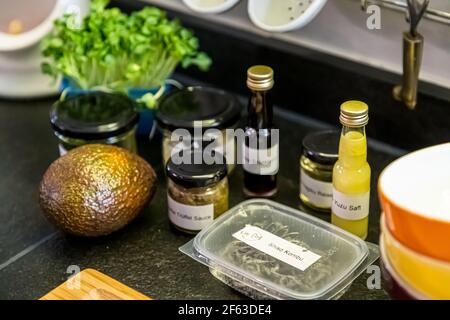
<point x="260" y="78"/>
<point x="354" y="114"/>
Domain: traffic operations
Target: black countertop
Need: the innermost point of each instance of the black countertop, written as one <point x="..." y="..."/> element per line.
<point x="34" y="257"/>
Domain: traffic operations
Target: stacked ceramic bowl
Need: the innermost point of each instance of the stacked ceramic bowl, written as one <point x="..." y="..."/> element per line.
<point x="269" y="15"/>
<point x="415" y="241"/>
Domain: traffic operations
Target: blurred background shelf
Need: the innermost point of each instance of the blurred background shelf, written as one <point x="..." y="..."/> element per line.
<point x="339" y="35"/>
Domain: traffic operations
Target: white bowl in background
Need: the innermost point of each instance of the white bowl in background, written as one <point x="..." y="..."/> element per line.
<point x="20" y="57"/>
<point x="283" y="15"/>
<point x="37" y="19"/>
<point x="210" y="6"/>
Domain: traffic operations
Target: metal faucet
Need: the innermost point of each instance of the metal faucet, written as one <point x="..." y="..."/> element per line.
<point x="412" y="55"/>
<point x="412" y="52"/>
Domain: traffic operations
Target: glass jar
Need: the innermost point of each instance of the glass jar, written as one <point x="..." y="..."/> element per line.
<point x="196" y="110"/>
<point x="95" y="117"/>
<point x="319" y="154"/>
<point x="196" y="193"/>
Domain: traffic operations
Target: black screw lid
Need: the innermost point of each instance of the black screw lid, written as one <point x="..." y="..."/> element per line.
<point x="191" y="175"/>
<point x="322" y="147"/>
<point x="198" y="106"/>
<point x="94" y="115"/>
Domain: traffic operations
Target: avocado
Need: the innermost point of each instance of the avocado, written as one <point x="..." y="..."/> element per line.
<point x="96" y="189"/>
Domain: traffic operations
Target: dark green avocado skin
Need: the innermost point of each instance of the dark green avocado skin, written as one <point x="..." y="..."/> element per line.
<point x="96" y="189"/>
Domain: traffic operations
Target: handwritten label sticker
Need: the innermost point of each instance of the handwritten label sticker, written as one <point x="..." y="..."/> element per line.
<point x="318" y="192"/>
<point x="350" y="207"/>
<point x="276" y="247"/>
<point x="188" y="217"/>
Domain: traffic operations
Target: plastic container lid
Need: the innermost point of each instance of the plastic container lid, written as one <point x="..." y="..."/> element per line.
<point x="322" y="147"/>
<point x="191" y="175"/>
<point x="267" y="250"/>
<point x="193" y="107"/>
<point x="93" y="116"/>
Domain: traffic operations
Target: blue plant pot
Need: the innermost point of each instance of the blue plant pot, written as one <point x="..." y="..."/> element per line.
<point x="146" y="126"/>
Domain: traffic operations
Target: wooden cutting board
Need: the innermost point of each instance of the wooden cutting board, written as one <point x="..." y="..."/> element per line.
<point x="90" y="284"/>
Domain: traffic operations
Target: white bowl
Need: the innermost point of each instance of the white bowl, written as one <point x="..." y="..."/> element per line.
<point x="48" y="10"/>
<point x="20" y="56"/>
<point x="283" y="15"/>
<point x="210" y="6"/>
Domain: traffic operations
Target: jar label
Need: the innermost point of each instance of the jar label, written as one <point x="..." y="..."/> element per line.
<point x="276" y="247"/>
<point x="188" y="217"/>
<point x="262" y="162"/>
<point x="350" y="207"/>
<point x="319" y="193"/>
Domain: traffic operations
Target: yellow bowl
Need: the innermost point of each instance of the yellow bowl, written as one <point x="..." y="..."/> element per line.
<point x="428" y="276"/>
<point x="397" y="287"/>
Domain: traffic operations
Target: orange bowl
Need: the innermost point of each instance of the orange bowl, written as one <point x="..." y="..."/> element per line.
<point x="414" y="193"/>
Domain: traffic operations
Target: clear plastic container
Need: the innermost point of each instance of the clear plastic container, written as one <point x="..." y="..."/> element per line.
<point x="270" y="251"/>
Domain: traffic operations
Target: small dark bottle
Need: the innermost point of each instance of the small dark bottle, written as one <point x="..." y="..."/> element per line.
<point x="261" y="144"/>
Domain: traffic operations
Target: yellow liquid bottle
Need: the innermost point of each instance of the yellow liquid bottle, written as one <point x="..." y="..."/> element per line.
<point x="351" y="173"/>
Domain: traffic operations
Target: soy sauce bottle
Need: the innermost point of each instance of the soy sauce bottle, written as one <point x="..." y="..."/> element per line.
<point x="260" y="149"/>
